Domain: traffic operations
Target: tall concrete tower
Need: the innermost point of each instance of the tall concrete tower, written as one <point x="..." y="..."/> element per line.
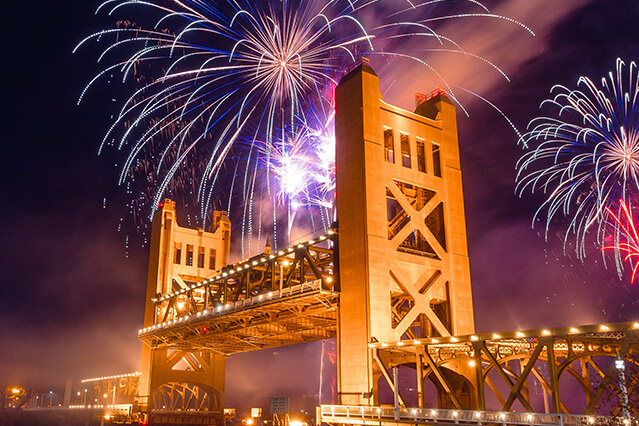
<point x="403" y="258"/>
<point x="180" y="257"/>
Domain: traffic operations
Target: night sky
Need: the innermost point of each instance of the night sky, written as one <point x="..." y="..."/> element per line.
<point x="72" y="289"/>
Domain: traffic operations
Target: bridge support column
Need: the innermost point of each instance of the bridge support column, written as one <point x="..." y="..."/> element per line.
<point x="403" y="259"/>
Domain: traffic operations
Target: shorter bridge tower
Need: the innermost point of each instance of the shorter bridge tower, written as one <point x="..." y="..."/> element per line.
<point x="182" y="378"/>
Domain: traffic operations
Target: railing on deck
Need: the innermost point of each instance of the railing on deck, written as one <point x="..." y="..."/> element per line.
<point x="367" y="415"/>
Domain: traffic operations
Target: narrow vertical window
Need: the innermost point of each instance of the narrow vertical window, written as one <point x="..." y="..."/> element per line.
<point x="177" y="253"/>
<point x="189" y="255"/>
<point x="200" y="257"/>
<point x="437" y="165"/>
<point x="421" y="157"/>
<point x="212" y="259"/>
<point x="389" y="146"/>
<point x="405" y="146"/>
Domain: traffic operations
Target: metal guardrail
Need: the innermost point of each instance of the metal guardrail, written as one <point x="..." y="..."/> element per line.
<point x="367" y="415"/>
<point x="224" y="309"/>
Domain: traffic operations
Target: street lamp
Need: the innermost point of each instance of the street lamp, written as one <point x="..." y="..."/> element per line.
<point x="282" y="265"/>
<point x="50" y="398"/>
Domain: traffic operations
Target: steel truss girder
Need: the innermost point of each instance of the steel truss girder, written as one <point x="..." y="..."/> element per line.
<point x="307" y="316"/>
<point x="487" y="353"/>
<point x="266" y="301"/>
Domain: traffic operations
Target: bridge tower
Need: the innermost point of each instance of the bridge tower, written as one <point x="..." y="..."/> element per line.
<point x="182" y="377"/>
<point x="403" y="259"/>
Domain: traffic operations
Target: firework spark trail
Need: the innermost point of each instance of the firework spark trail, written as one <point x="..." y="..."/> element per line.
<point x="629" y="231"/>
<point x="219" y="73"/>
<point x="587" y="157"/>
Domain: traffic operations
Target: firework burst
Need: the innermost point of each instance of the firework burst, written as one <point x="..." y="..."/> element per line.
<point x="227" y="78"/>
<point x="587" y="156"/>
<point x="630" y="247"/>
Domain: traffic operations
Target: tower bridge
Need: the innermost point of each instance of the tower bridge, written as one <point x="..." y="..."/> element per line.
<point x="391" y="282"/>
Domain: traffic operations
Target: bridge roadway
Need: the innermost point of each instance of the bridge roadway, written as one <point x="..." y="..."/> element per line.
<point x="269" y="300"/>
<point x="377" y="416"/>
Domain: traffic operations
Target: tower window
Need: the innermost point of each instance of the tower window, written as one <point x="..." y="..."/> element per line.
<point x="200" y="257"/>
<point x="421" y="157"/>
<point x="437" y="165"/>
<point x="405" y="145"/>
<point x="389" y="146"/>
<point x="212" y="259"/>
<point x="189" y="255"/>
<point x="177" y="253"/>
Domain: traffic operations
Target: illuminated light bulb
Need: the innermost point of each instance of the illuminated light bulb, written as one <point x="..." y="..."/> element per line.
<point x="574" y="330"/>
<point x="636" y="325"/>
<point x="502" y="416"/>
<point x="519" y="334"/>
<point x="247" y="266"/>
<point x="311" y="242"/>
<point x="414" y="411"/>
<point x="495" y="336"/>
<point x="300" y="245"/>
<point x="477" y="414"/>
<point x="604" y="328"/>
<point x="379" y="410"/>
<point x="270" y="294"/>
<point x="435" y="341"/>
<point x="291" y="248"/>
<point x="322" y="238"/>
<point x="285" y="263"/>
<point x="262" y="260"/>
<point x="530" y="417"/>
<point x="474" y="338"/>
<point x="545" y="332"/>
<point x="254" y="262"/>
<point x="471" y="363"/>
<point x="433" y="413"/>
<point x="331" y="232"/>
<point x="416" y="342"/>
<point x="370" y="345"/>
<point x="400" y="343"/>
<point x="591" y="419"/>
<point x="329" y="279"/>
<point x="384" y="345"/>
<point x="453" y="339"/>
<point x="225" y="274"/>
<point x="232" y="271"/>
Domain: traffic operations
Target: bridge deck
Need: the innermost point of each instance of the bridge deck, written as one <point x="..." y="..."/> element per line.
<point x="359" y="415"/>
<point x="295" y="314"/>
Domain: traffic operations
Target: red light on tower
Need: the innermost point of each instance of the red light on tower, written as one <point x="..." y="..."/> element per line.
<point x="205" y="330"/>
<point x="160" y="204"/>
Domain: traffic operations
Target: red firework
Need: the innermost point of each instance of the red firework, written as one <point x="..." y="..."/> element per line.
<point x="631" y="246"/>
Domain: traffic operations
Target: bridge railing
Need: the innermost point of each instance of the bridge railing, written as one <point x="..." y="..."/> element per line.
<point x="368" y="415"/>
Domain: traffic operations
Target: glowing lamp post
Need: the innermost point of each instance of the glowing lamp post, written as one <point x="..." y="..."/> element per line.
<point x="282" y="265"/>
